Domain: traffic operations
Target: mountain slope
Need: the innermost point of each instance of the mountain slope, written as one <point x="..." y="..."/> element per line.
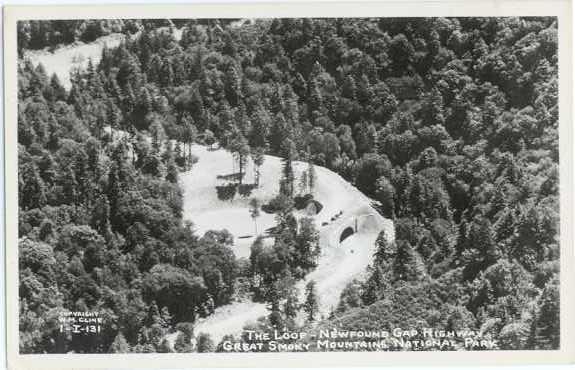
<point x="339" y="262"/>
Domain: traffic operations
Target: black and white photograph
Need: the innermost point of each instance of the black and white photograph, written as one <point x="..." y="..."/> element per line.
<point x="289" y="184"/>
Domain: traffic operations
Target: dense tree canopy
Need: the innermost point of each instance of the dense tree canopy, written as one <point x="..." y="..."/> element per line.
<point x="450" y="124"/>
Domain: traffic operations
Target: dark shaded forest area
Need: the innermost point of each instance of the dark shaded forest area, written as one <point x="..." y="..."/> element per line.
<point x="449" y="124"/>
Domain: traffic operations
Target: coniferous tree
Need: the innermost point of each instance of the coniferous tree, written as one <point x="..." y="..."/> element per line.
<point x="171" y="166"/>
<point x="255" y="212"/>
<point x="311" y="303"/>
<point x="307" y="244"/>
<point x="385" y="194"/>
<point x="31" y="187"/>
<point x="258" y="159"/>
<point x="311" y="176"/>
<point x="548" y="321"/>
<point x="291" y="306"/>
<point x="407" y="265"/>
<point x="289" y="155"/>
<point x="385" y="250"/>
<point x="240" y="150"/>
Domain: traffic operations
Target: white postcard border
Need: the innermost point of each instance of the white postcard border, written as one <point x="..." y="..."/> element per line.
<point x="412" y="8"/>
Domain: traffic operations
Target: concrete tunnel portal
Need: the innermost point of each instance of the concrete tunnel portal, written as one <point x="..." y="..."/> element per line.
<point x="361" y="222"/>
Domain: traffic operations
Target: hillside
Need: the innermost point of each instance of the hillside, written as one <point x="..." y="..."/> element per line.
<point x="338" y="263"/>
<point x="63" y="60"/>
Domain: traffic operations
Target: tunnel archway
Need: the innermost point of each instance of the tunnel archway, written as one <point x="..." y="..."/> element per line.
<point x="346" y="233"/>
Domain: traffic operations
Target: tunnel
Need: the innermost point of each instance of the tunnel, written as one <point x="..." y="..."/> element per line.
<point x="348" y="231"/>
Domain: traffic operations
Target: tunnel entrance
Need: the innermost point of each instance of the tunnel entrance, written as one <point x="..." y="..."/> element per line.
<point x="347" y="232"/>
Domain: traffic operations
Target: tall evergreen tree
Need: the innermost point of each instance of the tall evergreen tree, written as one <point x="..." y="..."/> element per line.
<point x="311" y="303"/>
<point x="289" y="155"/>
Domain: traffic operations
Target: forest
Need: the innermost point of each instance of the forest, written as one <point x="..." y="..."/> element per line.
<point x="450" y="125"/>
